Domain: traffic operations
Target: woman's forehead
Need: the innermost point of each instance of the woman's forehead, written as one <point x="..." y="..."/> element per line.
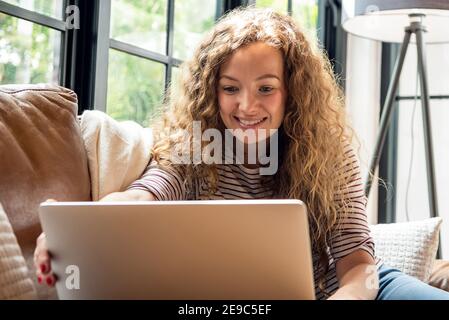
<point x="254" y="58"/>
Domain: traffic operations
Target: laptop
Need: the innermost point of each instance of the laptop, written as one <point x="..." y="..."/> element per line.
<point x="180" y="250"/>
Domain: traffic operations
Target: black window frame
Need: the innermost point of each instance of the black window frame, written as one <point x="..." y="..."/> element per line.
<point x="166" y="59"/>
<point x="386" y="201"/>
<point x="105" y="43"/>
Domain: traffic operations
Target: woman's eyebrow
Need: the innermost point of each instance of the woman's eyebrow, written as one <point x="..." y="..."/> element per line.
<point x="268" y="76"/>
<point x="265" y="76"/>
<point x="228" y="77"/>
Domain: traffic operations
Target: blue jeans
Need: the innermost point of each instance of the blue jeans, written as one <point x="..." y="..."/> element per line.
<point x="395" y="285"/>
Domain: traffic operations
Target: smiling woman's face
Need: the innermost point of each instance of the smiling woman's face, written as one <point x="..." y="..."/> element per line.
<point x="251" y="89"/>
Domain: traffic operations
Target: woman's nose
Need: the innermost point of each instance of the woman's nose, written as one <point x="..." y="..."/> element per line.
<point x="248" y="103"/>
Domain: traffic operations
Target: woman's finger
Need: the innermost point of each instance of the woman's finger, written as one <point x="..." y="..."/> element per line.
<point x="42" y="256"/>
<point x="46" y="279"/>
<point x="43" y="261"/>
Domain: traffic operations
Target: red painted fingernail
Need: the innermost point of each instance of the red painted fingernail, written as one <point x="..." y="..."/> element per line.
<point x="50" y="281"/>
<point x="39" y="280"/>
<point x="43" y="268"/>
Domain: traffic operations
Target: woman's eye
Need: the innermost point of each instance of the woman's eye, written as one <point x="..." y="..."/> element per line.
<point x="230" y="89"/>
<point x="266" y="89"/>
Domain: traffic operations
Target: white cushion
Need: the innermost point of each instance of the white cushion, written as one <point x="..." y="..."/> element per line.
<point x="118" y="152"/>
<point x="408" y="246"/>
<point x="14" y="280"/>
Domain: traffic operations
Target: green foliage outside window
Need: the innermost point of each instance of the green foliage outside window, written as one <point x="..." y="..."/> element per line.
<point x="136" y="85"/>
<point x="48" y="7"/>
<point x="305" y="12"/>
<point x="193" y="19"/>
<point x="277" y="5"/>
<point x="29" y="53"/>
<point x="141" y="23"/>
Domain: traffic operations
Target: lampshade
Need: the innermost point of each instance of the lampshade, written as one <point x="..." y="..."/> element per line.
<point x="385" y="20"/>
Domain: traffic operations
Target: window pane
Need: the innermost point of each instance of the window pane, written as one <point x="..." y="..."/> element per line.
<point x="411" y="153"/>
<point x="193" y="18"/>
<point x="29" y="53"/>
<point x="135" y="87"/>
<point x="306" y="13"/>
<point x="175" y="74"/>
<point x="277" y="5"/>
<point x="141" y="23"/>
<point x="437" y="70"/>
<point x="49" y="7"/>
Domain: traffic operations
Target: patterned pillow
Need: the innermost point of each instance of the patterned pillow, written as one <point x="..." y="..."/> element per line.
<point x="408" y="246"/>
<point x="14" y="280"/>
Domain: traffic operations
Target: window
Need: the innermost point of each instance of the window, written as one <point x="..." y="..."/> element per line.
<point x="305" y="12"/>
<point x="51" y="8"/>
<point x="277" y="5"/>
<point x="140" y="23"/>
<point x="125" y="55"/>
<point x="149" y="39"/>
<point x="408" y="175"/>
<point x="412" y="152"/>
<point x="137" y="59"/>
<point x="31" y="50"/>
<point x="135" y="87"/>
<point x="192" y="20"/>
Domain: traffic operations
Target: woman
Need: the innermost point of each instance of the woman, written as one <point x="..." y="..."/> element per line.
<point x="256" y="72"/>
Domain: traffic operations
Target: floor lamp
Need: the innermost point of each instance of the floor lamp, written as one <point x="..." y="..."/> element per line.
<point x="397" y="21"/>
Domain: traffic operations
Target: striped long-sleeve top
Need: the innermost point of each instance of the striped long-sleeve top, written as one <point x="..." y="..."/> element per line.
<point x="239" y="182"/>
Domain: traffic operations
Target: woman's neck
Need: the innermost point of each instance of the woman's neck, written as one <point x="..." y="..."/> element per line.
<point x="250" y="154"/>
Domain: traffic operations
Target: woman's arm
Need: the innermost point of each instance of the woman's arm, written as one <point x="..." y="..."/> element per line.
<point x="129" y="195"/>
<point x="351" y="244"/>
<point x="357" y="276"/>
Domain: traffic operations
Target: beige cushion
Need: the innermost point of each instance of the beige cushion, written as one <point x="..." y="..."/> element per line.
<point x="410" y="247"/>
<point x="440" y="275"/>
<point x="15" y="282"/>
<point x="42" y="156"/>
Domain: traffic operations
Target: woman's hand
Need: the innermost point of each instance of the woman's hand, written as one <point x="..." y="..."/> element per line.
<point x="42" y="260"/>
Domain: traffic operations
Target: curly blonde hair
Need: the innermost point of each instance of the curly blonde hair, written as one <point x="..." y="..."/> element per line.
<point x="314" y="131"/>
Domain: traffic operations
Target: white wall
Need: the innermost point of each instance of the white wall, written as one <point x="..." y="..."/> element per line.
<point x="363" y="102"/>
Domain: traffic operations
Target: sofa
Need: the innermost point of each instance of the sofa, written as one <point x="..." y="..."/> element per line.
<point x="46" y="154"/>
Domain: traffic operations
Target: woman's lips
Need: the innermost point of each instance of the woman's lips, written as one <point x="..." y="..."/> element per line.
<point x="250" y="123"/>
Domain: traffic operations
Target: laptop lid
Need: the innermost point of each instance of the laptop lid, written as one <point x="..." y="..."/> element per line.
<point x="232" y="249"/>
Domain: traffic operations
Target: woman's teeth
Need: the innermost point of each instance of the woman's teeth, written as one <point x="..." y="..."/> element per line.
<point x="250" y="123"/>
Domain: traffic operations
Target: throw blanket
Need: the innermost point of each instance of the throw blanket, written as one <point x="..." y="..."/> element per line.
<point x="117" y="152"/>
<point x="14" y="280"/>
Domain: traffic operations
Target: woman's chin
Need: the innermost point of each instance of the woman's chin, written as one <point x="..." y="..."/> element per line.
<point x="252" y="136"/>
